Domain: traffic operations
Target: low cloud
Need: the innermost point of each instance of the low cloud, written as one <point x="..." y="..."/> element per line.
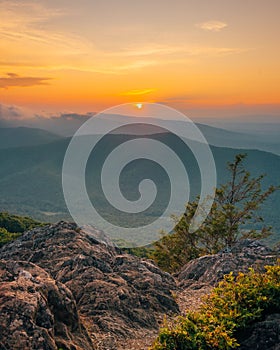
<point x="212" y="26"/>
<point x="64" y="124"/>
<point x="10" y="113"/>
<point x="12" y="80"/>
<point x="74" y="116"/>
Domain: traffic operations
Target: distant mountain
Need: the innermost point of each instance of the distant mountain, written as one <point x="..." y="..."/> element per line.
<point x="234" y="139"/>
<point x="232" y="134"/>
<point x="30" y="178"/>
<point x="214" y="135"/>
<point x="22" y="136"/>
<point x="265" y="129"/>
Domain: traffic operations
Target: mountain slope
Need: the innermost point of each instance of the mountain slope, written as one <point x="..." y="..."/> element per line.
<point x="30" y="178"/>
<point x="22" y="137"/>
<point x="259" y="138"/>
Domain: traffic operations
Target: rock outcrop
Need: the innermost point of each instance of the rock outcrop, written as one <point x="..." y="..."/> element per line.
<point x="115" y="293"/>
<point x="64" y="287"/>
<point x="263" y="335"/>
<point x="200" y="275"/>
<point x="210" y="269"/>
<point x="37" y="312"/>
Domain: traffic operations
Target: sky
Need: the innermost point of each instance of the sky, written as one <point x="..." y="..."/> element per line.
<point x="218" y="58"/>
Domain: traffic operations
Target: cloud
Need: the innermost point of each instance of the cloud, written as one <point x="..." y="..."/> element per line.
<point x="171" y="54"/>
<point x="23" y="114"/>
<point x="217" y="51"/>
<point x="12" y="112"/>
<point x="64" y="124"/>
<point x="212" y="26"/>
<point x="182" y="98"/>
<point x="46" y="42"/>
<point x="13" y="79"/>
<point x="73" y="116"/>
<point x="26" y="32"/>
<point x="149" y="50"/>
<point x="138" y="92"/>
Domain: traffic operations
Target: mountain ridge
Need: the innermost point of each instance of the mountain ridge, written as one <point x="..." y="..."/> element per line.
<point x="25" y="136"/>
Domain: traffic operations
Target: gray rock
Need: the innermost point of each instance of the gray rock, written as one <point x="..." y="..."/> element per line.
<point x="37" y="312"/>
<point x="263" y="335"/>
<point x="210" y="269"/>
<point x="115" y="293"/>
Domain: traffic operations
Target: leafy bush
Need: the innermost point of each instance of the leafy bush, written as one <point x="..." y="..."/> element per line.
<point x="232" y="306"/>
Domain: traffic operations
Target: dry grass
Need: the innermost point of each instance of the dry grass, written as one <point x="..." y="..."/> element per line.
<point x="187" y="299"/>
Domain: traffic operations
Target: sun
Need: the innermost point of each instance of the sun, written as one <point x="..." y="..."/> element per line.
<point x="139" y="105"/>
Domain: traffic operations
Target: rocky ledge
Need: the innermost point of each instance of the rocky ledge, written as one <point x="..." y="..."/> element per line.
<point x="37" y="312"/>
<point x="210" y="269"/>
<point x="115" y="293"/>
<point x="63" y="287"/>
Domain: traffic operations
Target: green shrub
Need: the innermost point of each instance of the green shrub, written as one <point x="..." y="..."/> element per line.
<point x="233" y="305"/>
<point x="6" y="236"/>
<point x="12" y="226"/>
<point x="17" y="224"/>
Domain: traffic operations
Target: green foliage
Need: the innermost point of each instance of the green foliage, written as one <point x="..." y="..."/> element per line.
<point x="234" y="210"/>
<point x="231" y="307"/>
<point x="141" y="252"/>
<point x="12" y="226"/>
<point x="239" y="201"/>
<point x="17" y="224"/>
<point x="6" y="236"/>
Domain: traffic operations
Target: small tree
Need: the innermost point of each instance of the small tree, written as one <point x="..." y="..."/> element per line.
<point x="239" y="201"/>
<point x="235" y="208"/>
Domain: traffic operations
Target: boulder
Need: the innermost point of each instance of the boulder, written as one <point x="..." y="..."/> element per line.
<point x="116" y="293"/>
<point x="210" y="269"/>
<point x="37" y="312"/>
<point x="262" y="335"/>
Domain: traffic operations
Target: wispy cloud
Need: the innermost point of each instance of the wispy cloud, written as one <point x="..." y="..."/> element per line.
<point x="150" y="50"/>
<point x="12" y="79"/>
<point x="42" y="47"/>
<point x="167" y="53"/>
<point x="182" y="98"/>
<point x="27" y="28"/>
<point x="212" y="26"/>
<point x="217" y="51"/>
<point x="138" y="92"/>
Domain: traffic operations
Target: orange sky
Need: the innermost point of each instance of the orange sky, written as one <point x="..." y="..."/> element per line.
<point x="85" y="56"/>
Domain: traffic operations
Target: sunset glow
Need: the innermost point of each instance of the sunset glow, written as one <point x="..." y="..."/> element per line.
<point x="84" y="57"/>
